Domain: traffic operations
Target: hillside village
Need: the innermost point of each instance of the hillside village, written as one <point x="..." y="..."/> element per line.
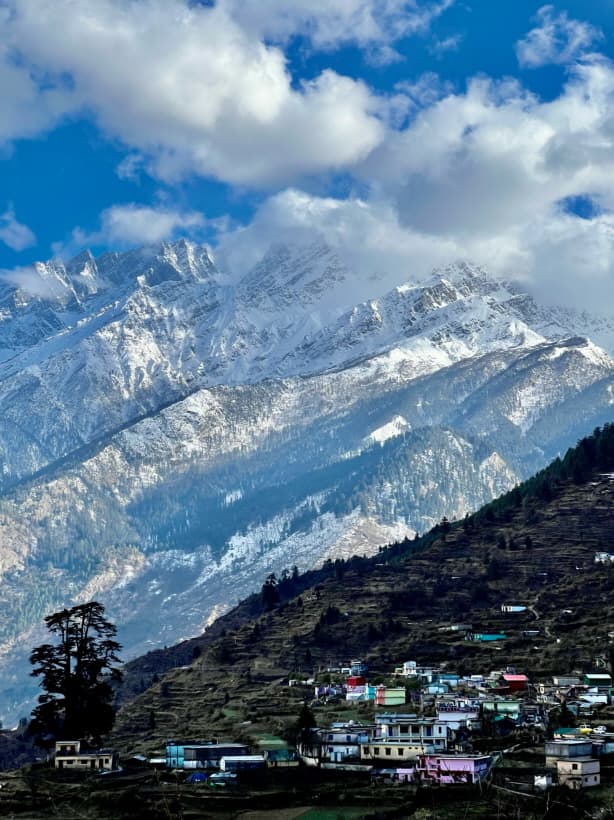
<point x="482" y="670"/>
<point x="477" y="735"/>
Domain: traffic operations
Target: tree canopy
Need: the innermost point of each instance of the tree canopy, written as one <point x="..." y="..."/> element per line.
<point x="76" y="673"/>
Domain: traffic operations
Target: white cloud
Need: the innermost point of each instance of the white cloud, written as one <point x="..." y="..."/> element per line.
<point x="329" y="24"/>
<point x="13" y="233"/>
<point x="366" y="235"/>
<point x="26" y="108"/>
<point x="493" y="157"/>
<point x="426" y="90"/>
<point x="133" y="224"/>
<point x="440" y="47"/>
<point x="561" y="258"/>
<point x="189" y="89"/>
<point x="557" y="39"/>
<point x="34" y="280"/>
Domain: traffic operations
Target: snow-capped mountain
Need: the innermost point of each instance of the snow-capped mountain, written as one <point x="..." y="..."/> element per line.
<point x="170" y="435"/>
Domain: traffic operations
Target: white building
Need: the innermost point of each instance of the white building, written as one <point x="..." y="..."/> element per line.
<point x="579" y="772"/>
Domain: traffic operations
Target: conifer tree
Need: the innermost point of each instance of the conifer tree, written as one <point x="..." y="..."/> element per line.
<point x="76" y="673"/>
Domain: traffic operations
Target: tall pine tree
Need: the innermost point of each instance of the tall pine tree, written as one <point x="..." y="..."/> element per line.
<point x="76" y="673"/>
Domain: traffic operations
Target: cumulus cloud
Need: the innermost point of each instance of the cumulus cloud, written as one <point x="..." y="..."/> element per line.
<point x="26" y="107"/>
<point x="329" y="24"/>
<point x="13" y="233"/>
<point x="557" y="39"/>
<point x="560" y="257"/>
<point x="133" y="224"/>
<point x="366" y="235"/>
<point x="494" y="156"/>
<point x="189" y="89"/>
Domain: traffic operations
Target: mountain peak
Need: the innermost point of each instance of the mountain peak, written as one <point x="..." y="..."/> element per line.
<point x="288" y="276"/>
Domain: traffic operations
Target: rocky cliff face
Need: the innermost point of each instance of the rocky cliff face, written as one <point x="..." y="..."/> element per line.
<point x="168" y="436"/>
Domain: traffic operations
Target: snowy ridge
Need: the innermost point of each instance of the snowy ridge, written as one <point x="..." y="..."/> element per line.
<point x="169" y="435"/>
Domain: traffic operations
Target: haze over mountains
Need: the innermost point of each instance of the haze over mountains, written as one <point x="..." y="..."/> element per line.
<point x="170" y="435"/>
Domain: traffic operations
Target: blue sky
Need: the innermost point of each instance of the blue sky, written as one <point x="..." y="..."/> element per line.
<point x="407" y="134"/>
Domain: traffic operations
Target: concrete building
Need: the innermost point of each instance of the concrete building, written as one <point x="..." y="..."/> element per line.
<point x="447" y="769"/>
<point x="578" y="772"/>
<point x="205" y="755"/>
<point x="566" y="750"/>
<point x="412" y="730"/>
<point x="68" y="755"/>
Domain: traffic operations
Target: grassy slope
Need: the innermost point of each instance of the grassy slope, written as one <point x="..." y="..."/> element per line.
<point x="391" y="608"/>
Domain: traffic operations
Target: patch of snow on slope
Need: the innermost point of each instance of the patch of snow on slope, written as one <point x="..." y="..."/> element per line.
<point x="595" y="355"/>
<point x="395" y="427"/>
<point x="527" y="406"/>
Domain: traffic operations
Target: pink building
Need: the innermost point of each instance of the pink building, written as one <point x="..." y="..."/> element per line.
<point x="445" y="769"/>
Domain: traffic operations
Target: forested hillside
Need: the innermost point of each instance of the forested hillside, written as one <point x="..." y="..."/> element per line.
<point x="534" y="546"/>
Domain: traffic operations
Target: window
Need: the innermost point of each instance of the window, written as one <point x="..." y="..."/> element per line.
<point x="388" y="751"/>
<point x="400" y="752"/>
<point x="366" y="749"/>
<point x="376" y="750"/>
<point x="429" y="731"/>
<point x="404" y="730"/>
<point x="574" y="765"/>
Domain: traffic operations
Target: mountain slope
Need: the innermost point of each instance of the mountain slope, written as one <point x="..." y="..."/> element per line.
<point x="170" y="436"/>
<point x="534" y="546"/>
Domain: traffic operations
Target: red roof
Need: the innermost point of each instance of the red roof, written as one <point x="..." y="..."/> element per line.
<point x="515" y="678"/>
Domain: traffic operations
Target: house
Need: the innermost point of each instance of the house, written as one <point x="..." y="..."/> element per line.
<point x="206" y="755"/>
<point x="436" y="689"/>
<point x="448" y="769"/>
<point x="324" y="690"/>
<point x="356" y="667"/>
<point x="242" y="763"/>
<point x="68" y="755"/>
<point x="389" y="753"/>
<point x="360" y="693"/>
<point x="600" y="680"/>
<point x="450" y="679"/>
<point x="501" y="706"/>
<point x="337" y="744"/>
<point x="566" y="750"/>
<point x="604" y="558"/>
<point x="281" y="757"/>
<point x="474" y="681"/>
<point x="578" y="772"/>
<point x="566" y="681"/>
<point x="457" y="714"/>
<point x="390" y="696"/>
<point x="542" y="782"/>
<point x="412" y="730"/>
<point x="342" y="741"/>
<point x="513" y="608"/>
<point x="410" y="669"/>
<point x="515" y="683"/>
